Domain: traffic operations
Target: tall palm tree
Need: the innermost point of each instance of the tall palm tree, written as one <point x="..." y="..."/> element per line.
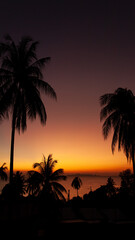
<point x="50" y="178"/>
<point x="21" y="80"/>
<point x="3" y="174"/>
<point x="118" y="113"/>
<point x="76" y="183"/>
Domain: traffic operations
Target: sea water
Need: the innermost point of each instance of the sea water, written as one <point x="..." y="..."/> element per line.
<point x="89" y="182"/>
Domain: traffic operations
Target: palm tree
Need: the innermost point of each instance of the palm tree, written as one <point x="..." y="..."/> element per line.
<point x="49" y="179"/>
<point x="110" y="187"/>
<point x="21" y="80"/>
<point x="3" y="174"/>
<point x="118" y="113"/>
<point x="76" y="183"/>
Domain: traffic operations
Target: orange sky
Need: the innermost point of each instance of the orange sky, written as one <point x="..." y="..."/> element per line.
<point x="76" y="149"/>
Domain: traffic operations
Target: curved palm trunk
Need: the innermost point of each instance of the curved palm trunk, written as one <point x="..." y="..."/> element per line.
<point x="12" y="146"/>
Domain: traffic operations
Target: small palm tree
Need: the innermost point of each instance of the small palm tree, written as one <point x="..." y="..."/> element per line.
<point x="110" y="187"/>
<point x="21" y="80"/>
<point x="118" y="113"/>
<point x="3" y="174"/>
<point x="49" y="179"/>
<point x="76" y="183"/>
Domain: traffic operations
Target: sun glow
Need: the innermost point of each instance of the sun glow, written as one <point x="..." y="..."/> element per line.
<point x="113" y="164"/>
<point x="80" y="150"/>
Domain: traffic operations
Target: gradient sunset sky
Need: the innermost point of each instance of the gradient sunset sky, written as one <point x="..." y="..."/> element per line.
<point x="92" y="50"/>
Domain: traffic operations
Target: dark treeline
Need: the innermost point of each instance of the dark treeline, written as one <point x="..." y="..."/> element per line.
<point x="40" y="184"/>
<point x="38" y="197"/>
<point x="110" y="195"/>
<point x="36" y="200"/>
<point x="44" y="185"/>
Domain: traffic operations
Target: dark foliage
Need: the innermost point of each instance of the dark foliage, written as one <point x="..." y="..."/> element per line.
<point x="3" y="174"/>
<point x="76" y="183"/>
<point x="45" y="181"/>
<point x="118" y="113"/>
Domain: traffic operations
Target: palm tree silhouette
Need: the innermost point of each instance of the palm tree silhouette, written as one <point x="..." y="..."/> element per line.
<point x="21" y="80"/>
<point x="3" y="174"/>
<point x="76" y="183"/>
<point x="49" y="178"/>
<point x="118" y="111"/>
<point x="110" y="187"/>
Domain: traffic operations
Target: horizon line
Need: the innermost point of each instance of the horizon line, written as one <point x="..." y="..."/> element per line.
<point x="78" y="172"/>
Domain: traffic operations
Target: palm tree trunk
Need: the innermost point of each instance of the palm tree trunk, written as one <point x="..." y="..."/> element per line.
<point x="12" y="146"/>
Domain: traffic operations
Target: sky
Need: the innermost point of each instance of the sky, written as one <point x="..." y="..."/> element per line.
<point x="92" y="49"/>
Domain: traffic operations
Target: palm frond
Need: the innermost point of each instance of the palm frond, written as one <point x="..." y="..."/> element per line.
<point x="5" y="168"/>
<point x="41" y="62"/>
<point x="58" y="186"/>
<point x="3" y="174"/>
<point x="35" y="105"/>
<point x="115" y="137"/>
<point x="34" y="73"/>
<point x="104" y="99"/>
<point x="59" y="189"/>
<point x="58" y="175"/>
<point x="6" y="100"/>
<point x="31" y="53"/>
<point x="121" y="134"/>
<point x="53" y="163"/>
<point x="106" y="127"/>
<point x="45" y="87"/>
<point x="103" y="113"/>
<point x="8" y="64"/>
<point x="35" y="165"/>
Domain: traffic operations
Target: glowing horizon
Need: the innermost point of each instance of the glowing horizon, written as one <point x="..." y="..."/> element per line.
<point x="77" y="146"/>
<point x="75" y="153"/>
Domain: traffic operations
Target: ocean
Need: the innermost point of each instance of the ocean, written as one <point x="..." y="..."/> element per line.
<point x="89" y="182"/>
